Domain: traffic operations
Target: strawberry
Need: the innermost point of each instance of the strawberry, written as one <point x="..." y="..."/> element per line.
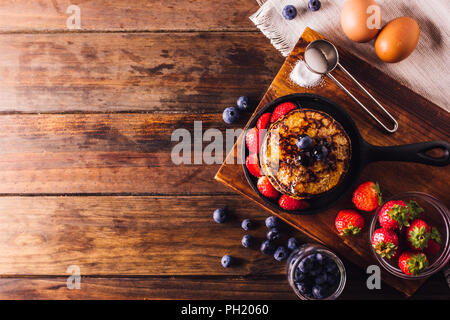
<point x="385" y="242"/>
<point x="434" y="243"/>
<point x="289" y="203"/>
<point x="367" y="197"/>
<point x="432" y="248"/>
<point x="415" y="210"/>
<point x="252" y="140"/>
<point x="418" y="234"/>
<point x="396" y="214"/>
<point x="391" y="213"/>
<point x="266" y="188"/>
<point x="281" y="110"/>
<point x="412" y="262"/>
<point x="252" y="165"/>
<point x="349" y="222"/>
<point x="263" y="121"/>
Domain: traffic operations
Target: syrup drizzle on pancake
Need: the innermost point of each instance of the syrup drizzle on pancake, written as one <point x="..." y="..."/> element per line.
<point x="280" y="155"/>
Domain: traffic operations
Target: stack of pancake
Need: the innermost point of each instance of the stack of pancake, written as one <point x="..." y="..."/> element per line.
<point x="280" y="154"/>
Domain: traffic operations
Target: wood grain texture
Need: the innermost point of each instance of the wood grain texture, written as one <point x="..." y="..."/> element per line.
<point x="148" y="288"/>
<point x="95" y="88"/>
<point x="135" y="235"/>
<point x="110" y="72"/>
<point x="167" y="237"/>
<point x="117" y="15"/>
<point x="103" y="153"/>
<point x="419" y="120"/>
<point x="274" y="287"/>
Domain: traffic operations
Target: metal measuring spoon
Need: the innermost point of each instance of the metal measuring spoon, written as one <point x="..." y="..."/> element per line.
<point x="322" y="57"/>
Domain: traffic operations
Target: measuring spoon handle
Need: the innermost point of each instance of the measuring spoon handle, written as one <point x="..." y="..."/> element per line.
<point x="362" y="105"/>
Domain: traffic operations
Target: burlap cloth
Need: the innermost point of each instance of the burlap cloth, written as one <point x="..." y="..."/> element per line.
<point x="425" y="71"/>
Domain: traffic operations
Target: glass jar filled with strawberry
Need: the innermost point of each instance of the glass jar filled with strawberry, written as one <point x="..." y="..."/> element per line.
<point x="409" y="235"/>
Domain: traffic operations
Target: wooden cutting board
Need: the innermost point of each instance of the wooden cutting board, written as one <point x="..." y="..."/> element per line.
<point x="419" y="120"/>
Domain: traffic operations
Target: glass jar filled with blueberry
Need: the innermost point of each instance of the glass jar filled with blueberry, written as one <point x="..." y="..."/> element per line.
<point x="315" y="273"/>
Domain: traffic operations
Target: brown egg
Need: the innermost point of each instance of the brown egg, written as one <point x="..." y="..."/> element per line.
<point x="357" y="19"/>
<point x="397" y="40"/>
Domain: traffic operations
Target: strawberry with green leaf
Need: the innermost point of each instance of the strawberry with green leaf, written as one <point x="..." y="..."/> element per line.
<point x="412" y="262"/>
<point x="396" y="214"/>
<point x="385" y="242"/>
<point x="349" y="222"/>
<point x="418" y="234"/>
<point x="434" y="243"/>
<point x="367" y="197"/>
<point x="415" y="210"/>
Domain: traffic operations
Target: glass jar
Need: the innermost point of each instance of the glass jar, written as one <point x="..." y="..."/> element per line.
<point x="437" y="215"/>
<point x="307" y="250"/>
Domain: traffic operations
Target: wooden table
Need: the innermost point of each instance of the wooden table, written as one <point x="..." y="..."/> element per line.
<point x="87" y="178"/>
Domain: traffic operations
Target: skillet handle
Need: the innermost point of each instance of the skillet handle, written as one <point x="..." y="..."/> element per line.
<point x="415" y="152"/>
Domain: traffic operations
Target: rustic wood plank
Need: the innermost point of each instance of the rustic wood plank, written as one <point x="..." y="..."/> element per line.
<point x="160" y="236"/>
<point x="118" y="15"/>
<point x="175" y="72"/>
<point x="419" y="120"/>
<point x="265" y="288"/>
<point x="103" y="153"/>
<point x="118" y="235"/>
<point x="148" y="288"/>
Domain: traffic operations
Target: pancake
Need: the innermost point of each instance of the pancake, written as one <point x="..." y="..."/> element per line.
<point x="280" y="154"/>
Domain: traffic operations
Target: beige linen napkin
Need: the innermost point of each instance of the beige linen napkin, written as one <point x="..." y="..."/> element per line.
<point x="425" y="71"/>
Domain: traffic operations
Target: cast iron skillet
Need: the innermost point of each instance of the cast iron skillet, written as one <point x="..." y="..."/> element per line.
<point x="363" y="153"/>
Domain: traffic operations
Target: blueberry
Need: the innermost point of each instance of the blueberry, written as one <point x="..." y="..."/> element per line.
<point x="304" y="159"/>
<point x="289" y="12"/>
<point x="309" y="281"/>
<point x="281" y="253"/>
<point x="316" y="269"/>
<point x="226" y="261"/>
<point x="268" y="247"/>
<point x="242" y="103"/>
<point x="304" y="142"/>
<point x="303" y="288"/>
<point x="321" y="278"/>
<point x="332" y="279"/>
<point x="273" y="234"/>
<point x="299" y="275"/>
<point x="305" y="265"/>
<point x="326" y="259"/>
<point x="311" y="257"/>
<point x="314" y="5"/>
<point x="336" y="272"/>
<point x="319" y="258"/>
<point x="331" y="266"/>
<point x="319" y="152"/>
<point x="292" y="243"/>
<point x="319" y="292"/>
<point x="247" y="241"/>
<point x="272" y="222"/>
<point x="220" y="215"/>
<point x="230" y="115"/>
<point x="247" y="224"/>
